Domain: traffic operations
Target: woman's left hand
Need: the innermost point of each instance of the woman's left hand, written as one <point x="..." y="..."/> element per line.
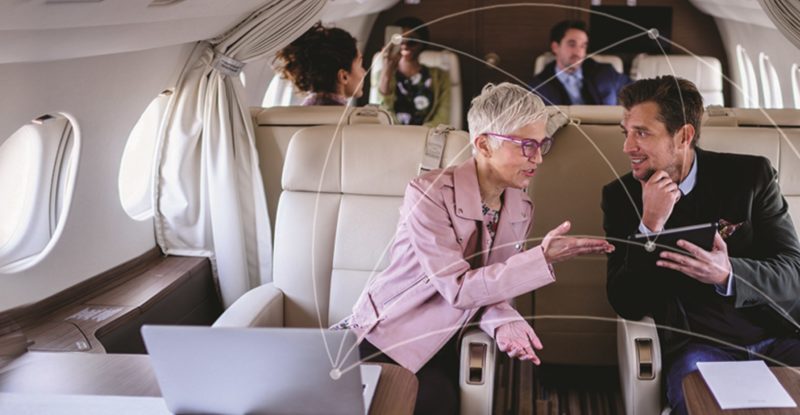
<point x="518" y="340"/>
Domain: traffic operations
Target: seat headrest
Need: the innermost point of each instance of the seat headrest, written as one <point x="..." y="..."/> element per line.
<point x="714" y="115"/>
<point x="547" y="57"/>
<point x="362" y="159"/>
<point x="322" y="115"/>
<point x="773" y="117"/>
<point x="556" y="119"/>
<point x="590" y="114"/>
<point x="752" y="117"/>
<point x="718" y="116"/>
<point x="443" y="59"/>
<point x="704" y="71"/>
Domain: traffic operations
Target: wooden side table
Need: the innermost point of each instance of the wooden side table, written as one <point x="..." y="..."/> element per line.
<point x="700" y="401"/>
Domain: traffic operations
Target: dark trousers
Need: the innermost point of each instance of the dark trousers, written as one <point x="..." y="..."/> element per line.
<point x="783" y="350"/>
<point x="438" y="380"/>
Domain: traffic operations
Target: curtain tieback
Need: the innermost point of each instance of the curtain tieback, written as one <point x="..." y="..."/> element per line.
<point x="226" y="65"/>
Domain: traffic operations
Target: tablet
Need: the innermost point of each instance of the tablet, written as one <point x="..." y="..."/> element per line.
<point x="701" y="235"/>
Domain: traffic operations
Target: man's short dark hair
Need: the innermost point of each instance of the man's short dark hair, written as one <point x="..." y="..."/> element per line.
<point x="560" y="29"/>
<point x="679" y="102"/>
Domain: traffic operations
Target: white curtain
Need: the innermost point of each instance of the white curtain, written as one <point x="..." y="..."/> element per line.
<point x="786" y="16"/>
<point x="208" y="191"/>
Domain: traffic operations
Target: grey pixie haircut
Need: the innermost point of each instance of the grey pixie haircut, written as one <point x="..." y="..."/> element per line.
<point x="501" y="109"/>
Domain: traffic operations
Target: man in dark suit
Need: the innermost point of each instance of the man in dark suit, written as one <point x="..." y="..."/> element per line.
<point x="571" y="79"/>
<point x="737" y="301"/>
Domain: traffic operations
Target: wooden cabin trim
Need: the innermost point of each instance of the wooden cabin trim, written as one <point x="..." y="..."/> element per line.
<point x="104" y="312"/>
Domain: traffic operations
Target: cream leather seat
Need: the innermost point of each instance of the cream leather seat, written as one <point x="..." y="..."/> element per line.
<point x="567" y="185"/>
<point x="547" y="57"/>
<point x="704" y="71"/>
<point x="275" y="126"/>
<point x="438" y="59"/>
<point x="337" y="215"/>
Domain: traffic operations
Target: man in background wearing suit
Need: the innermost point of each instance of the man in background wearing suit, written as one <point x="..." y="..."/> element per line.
<point x="571" y="79"/>
<point x="737" y="301"/>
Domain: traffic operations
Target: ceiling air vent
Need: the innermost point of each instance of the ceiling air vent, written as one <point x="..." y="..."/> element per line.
<point x="156" y="3"/>
<point x="71" y="1"/>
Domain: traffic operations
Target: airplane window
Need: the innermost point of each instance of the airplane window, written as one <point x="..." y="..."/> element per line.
<point x="747" y="79"/>
<point x="796" y="85"/>
<point x="281" y="93"/>
<point x="136" y="167"/>
<point x="769" y="82"/>
<point x="37" y="165"/>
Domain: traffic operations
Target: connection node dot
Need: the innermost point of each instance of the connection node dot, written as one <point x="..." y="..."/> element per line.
<point x="653" y="33"/>
<point x="650" y="246"/>
<point x="397" y="38"/>
<point x="335" y="374"/>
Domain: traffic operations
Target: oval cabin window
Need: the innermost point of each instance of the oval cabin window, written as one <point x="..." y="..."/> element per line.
<point x="770" y="85"/>
<point x="748" y="88"/>
<point x="136" y="168"/>
<point x="37" y="169"/>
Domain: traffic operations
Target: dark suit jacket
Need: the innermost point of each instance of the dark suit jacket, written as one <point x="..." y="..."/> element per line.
<point x="601" y="83"/>
<point x="764" y="251"/>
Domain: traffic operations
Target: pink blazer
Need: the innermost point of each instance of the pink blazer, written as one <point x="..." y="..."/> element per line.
<point x="439" y="278"/>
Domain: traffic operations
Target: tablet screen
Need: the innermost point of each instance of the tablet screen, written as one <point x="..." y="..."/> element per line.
<point x="701" y="235"/>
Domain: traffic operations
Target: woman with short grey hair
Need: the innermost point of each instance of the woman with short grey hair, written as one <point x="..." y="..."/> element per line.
<point x="459" y="253"/>
<point x="502" y="109"/>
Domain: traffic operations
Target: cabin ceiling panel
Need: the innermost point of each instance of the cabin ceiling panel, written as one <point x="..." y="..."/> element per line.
<point x="55" y="44"/>
<point x="341" y="9"/>
<point x="747" y="11"/>
<point x="785" y="14"/>
<point x="38" y="14"/>
<point x="39" y="30"/>
<point x="34" y="31"/>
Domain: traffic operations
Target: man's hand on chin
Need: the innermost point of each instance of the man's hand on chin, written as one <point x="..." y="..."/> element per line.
<point x="659" y="196"/>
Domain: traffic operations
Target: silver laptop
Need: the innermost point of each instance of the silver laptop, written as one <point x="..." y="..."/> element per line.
<point x="259" y="370"/>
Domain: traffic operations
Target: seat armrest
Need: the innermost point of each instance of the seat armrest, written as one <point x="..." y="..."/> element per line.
<point x="260" y="307"/>
<point x="639" y="355"/>
<point x="476" y="372"/>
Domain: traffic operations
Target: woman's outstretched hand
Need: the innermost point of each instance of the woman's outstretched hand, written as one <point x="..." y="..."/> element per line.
<point x="558" y="247"/>
<point x="518" y="339"/>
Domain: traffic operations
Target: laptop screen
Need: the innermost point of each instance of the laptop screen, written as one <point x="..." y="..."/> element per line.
<point x="256" y="370"/>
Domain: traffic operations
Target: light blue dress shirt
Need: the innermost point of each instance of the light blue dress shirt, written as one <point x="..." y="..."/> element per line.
<point x="573" y="83"/>
<point x="686" y="186"/>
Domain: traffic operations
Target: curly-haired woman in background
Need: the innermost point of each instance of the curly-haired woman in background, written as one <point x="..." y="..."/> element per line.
<point x="325" y="63"/>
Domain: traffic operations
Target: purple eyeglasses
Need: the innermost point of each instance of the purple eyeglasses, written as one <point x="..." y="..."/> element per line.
<point x="529" y="145"/>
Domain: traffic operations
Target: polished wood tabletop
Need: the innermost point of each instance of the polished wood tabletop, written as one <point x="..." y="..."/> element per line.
<point x="700" y="401"/>
<point x="77" y="373"/>
<point x="396" y="392"/>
